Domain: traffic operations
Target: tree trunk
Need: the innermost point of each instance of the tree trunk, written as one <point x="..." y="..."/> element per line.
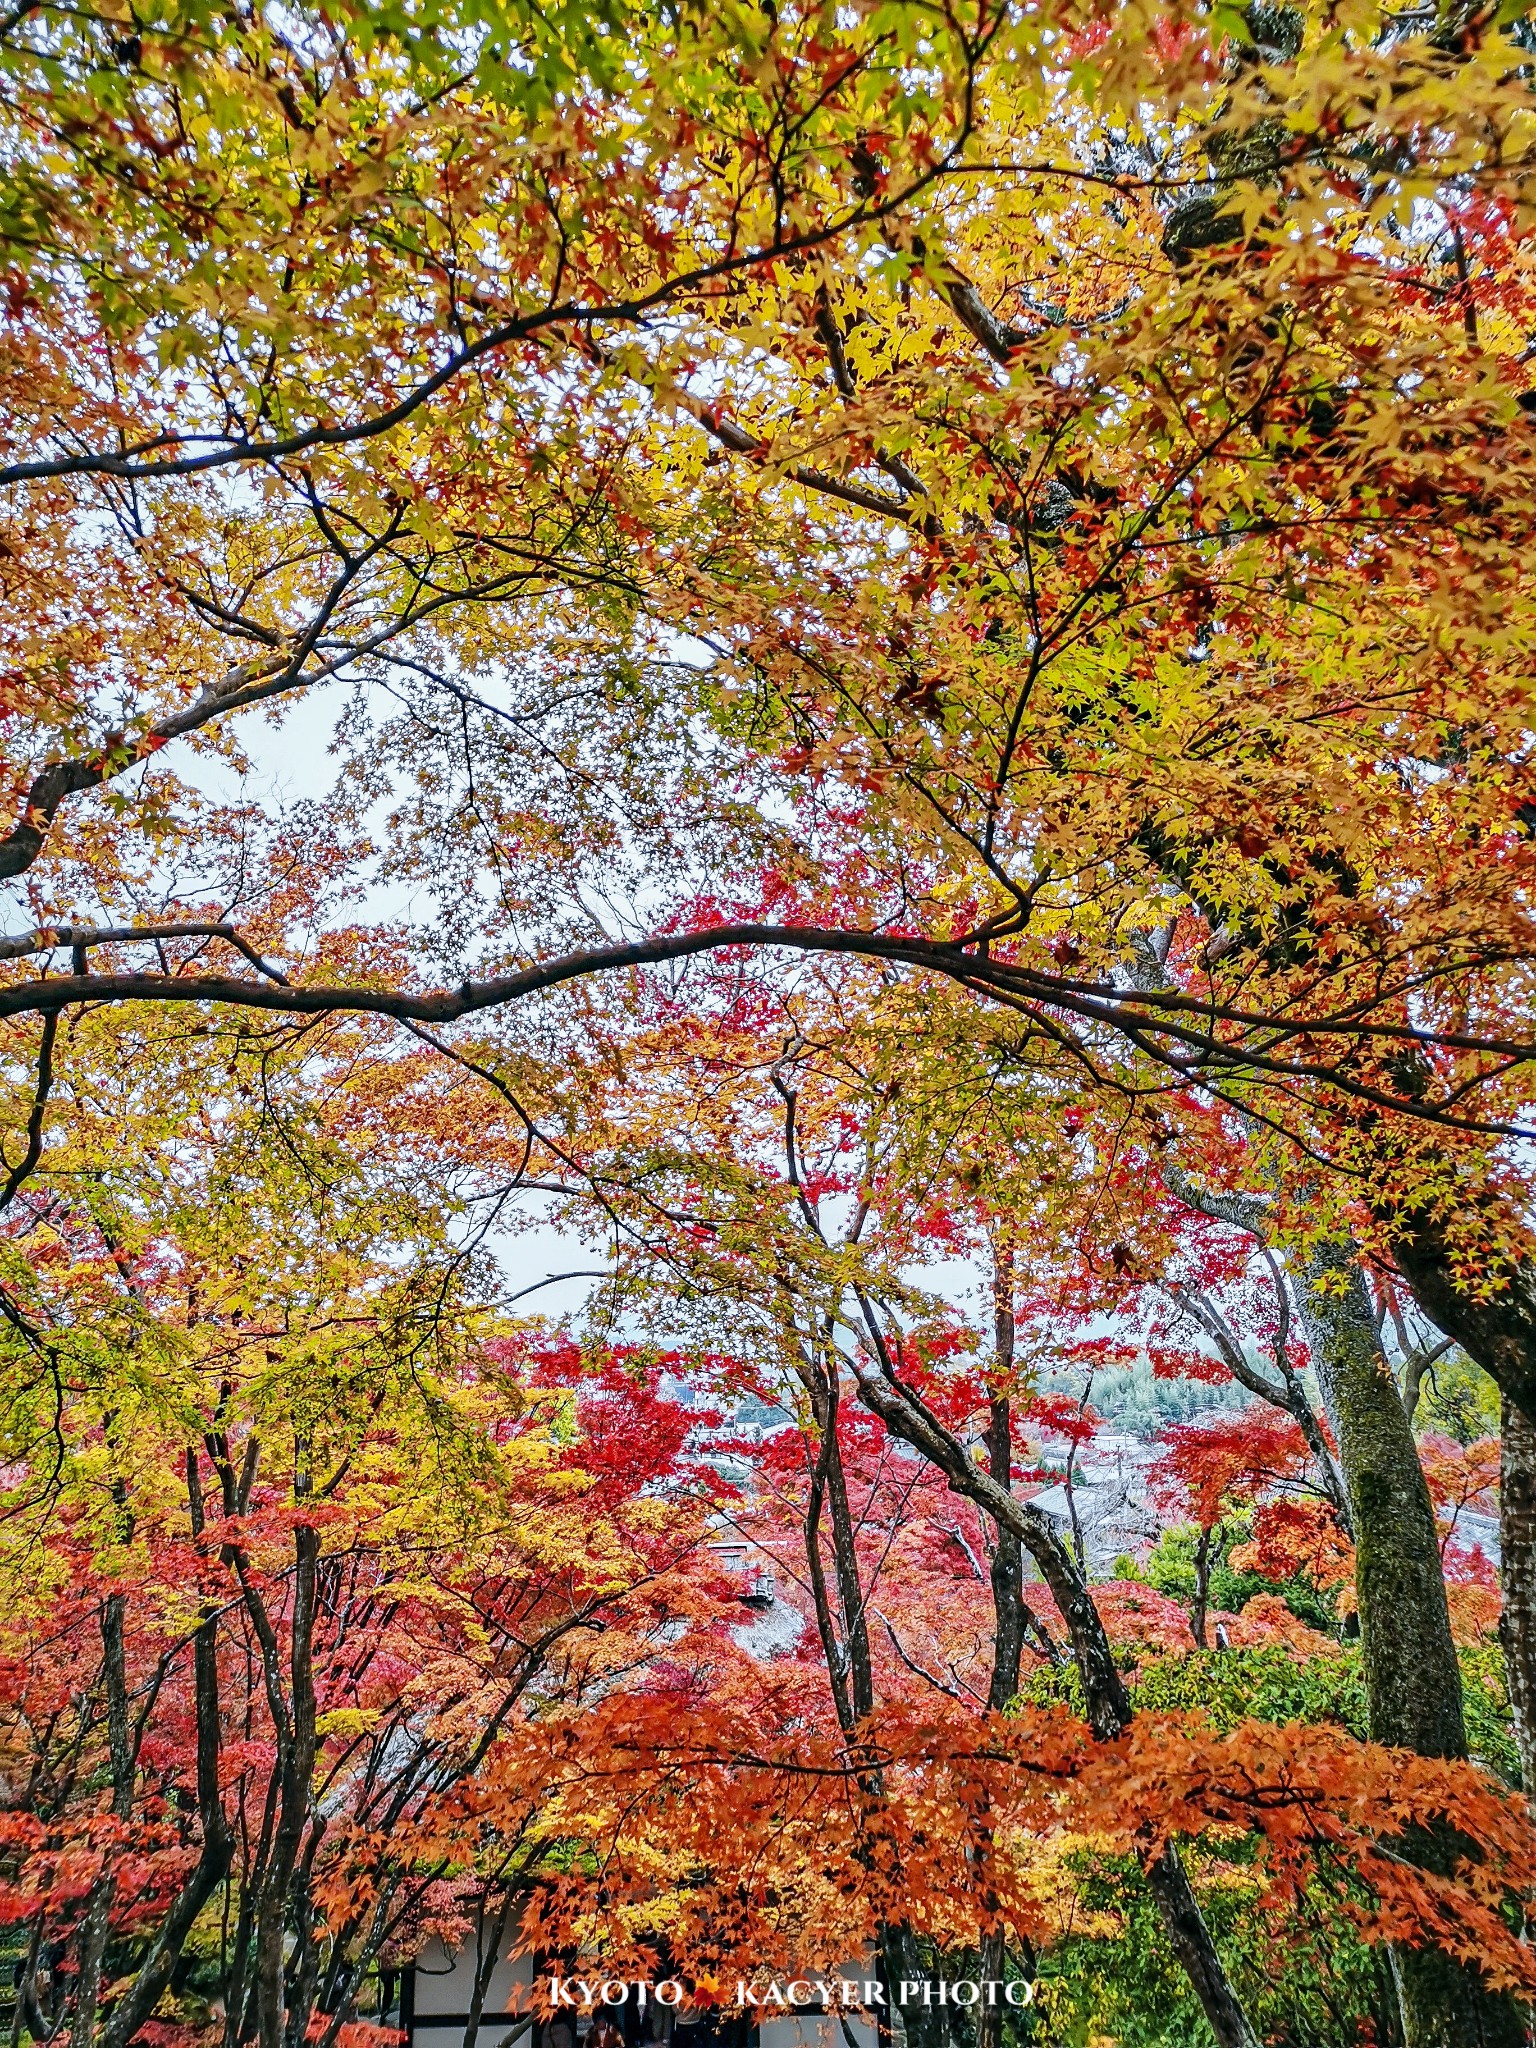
<point x="93" y="1934"/>
<point x="92" y="1948"/>
<point x="1008" y="1610"/>
<point x="1517" y="1550"/>
<point x="1200" y="1605"/>
<point x="1413" y="1679"/>
<point x="850" y="1667"/>
<point x="281" y="1901"/>
<point x="134" y="2007"/>
<point x="845" y="1634"/>
<point x="490" y="1933"/>
<point x="1109" y="1709"/>
<point x="926" y="2024"/>
<point x="1008" y="1556"/>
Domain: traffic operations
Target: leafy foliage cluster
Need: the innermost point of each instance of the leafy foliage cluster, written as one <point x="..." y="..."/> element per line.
<point x="924" y="620"/>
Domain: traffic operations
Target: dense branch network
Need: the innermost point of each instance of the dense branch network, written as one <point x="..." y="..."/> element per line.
<point x="1177" y="1032"/>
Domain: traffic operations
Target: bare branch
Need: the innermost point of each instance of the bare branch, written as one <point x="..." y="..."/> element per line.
<point x="34" y="1151"/>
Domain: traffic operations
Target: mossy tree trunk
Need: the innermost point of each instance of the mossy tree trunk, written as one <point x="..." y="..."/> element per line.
<point x="1413" y="1679"/>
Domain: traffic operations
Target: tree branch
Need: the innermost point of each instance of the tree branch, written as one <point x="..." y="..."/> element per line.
<point x="1177" y="1046"/>
<point x="29" y="1158"/>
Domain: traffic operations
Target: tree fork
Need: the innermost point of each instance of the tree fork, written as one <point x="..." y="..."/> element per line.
<point x="849" y="1666"/>
<point x="1109" y="1707"/>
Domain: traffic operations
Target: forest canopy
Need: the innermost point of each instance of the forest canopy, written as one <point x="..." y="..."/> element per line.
<point x="905" y="632"/>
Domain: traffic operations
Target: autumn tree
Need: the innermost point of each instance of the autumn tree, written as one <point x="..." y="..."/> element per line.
<point x="317" y="1526"/>
<point x="1087" y="448"/>
<point x="1033" y="504"/>
<point x="1212" y="1470"/>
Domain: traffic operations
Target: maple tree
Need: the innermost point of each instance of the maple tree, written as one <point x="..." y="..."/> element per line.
<point x="702" y="1207"/>
<point x="997" y="534"/>
<point x="718" y="1160"/>
<point x="316" y="1526"/>
<point x="305" y="1683"/>
<point x="730" y="1173"/>
<point x="1212" y="1470"/>
<point x="1145" y="414"/>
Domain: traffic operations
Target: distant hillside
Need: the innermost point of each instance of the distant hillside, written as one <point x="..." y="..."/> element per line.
<point x="1132" y="1399"/>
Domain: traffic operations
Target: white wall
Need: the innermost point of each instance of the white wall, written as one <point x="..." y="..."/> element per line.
<point x="445" y="1984"/>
